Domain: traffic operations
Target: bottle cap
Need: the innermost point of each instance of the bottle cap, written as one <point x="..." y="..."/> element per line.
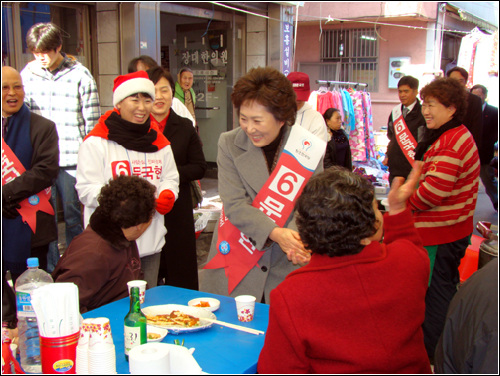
<point x="33" y="262"/>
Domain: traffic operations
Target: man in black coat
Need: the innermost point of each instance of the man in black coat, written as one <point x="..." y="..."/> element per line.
<point x="411" y="109"/>
<point x="34" y="142"/>
<point x="473" y="119"/>
<point x="469" y="342"/>
<point x="486" y="150"/>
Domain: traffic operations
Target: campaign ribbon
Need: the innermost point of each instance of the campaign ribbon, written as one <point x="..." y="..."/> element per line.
<point x="300" y="157"/>
<point x="405" y="139"/>
<point x="13" y="168"/>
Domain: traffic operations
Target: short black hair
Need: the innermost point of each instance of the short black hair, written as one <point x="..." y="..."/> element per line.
<point x="329" y="113"/>
<point x="127" y="201"/>
<point x="410" y="81"/>
<point x="480" y="87"/>
<point x="156" y="73"/>
<point x="145" y="59"/>
<point x="460" y="70"/>
<point x="335" y="212"/>
<point x="43" y="37"/>
<point x="270" y="88"/>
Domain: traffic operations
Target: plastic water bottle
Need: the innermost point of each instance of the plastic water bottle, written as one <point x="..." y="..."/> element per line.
<point x="29" y="340"/>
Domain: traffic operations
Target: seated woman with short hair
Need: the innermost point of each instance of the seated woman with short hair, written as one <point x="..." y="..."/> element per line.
<point x="358" y="306"/>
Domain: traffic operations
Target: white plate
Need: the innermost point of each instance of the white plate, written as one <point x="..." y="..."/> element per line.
<point x="154" y="329"/>
<point x="165" y="309"/>
<point x="214" y="303"/>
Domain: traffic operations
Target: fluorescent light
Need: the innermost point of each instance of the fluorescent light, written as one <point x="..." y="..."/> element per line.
<point x="367" y="37"/>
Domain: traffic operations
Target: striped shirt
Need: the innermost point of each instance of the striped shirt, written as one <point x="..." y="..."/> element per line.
<point x="445" y="199"/>
<point x="68" y="96"/>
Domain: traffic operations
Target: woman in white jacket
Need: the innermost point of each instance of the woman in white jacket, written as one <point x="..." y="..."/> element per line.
<point x="124" y="142"/>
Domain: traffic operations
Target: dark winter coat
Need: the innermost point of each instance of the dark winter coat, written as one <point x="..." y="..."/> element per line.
<point x="178" y="261"/>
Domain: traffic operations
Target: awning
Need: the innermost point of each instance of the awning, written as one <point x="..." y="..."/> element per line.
<point x="481" y="14"/>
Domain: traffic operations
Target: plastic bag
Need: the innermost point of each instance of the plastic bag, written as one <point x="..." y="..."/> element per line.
<point x="200" y="221"/>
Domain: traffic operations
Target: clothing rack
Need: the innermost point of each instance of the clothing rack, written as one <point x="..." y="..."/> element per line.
<point x="325" y="82"/>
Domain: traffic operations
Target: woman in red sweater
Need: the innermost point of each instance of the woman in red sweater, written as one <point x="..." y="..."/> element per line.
<point x="358" y="306"/>
<point x="444" y="203"/>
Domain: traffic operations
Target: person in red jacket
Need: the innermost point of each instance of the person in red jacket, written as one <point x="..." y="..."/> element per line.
<point x="358" y="306"/>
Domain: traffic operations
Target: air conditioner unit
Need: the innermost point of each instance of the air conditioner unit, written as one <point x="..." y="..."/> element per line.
<point x="397" y="68"/>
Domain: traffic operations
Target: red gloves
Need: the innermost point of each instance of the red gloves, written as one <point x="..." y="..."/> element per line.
<point x="165" y="202"/>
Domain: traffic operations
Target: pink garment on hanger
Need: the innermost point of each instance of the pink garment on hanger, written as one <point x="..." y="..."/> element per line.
<point x="337" y="103"/>
<point x="370" y="138"/>
<point x="325" y="101"/>
<point x="357" y="136"/>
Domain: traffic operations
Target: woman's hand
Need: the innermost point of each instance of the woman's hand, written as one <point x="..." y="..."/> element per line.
<point x="290" y="243"/>
<point x="400" y="192"/>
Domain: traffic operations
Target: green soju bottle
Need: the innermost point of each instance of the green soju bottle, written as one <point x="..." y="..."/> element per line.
<point x="135" y="323"/>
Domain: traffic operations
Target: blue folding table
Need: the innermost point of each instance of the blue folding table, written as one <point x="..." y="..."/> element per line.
<point x="219" y="349"/>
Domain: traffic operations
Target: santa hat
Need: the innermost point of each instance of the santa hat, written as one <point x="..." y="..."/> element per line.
<point x="130" y="84"/>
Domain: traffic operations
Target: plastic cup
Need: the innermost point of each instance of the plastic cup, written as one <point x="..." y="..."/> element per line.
<point x="245" y="307"/>
<point x="59" y="354"/>
<point x="142" y="288"/>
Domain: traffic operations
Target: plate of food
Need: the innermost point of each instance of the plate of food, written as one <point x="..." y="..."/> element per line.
<point x="208" y="303"/>
<point x="155" y="334"/>
<point x="179" y="318"/>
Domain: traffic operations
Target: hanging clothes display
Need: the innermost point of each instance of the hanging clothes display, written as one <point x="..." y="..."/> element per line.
<point x="356" y="111"/>
<point x="479" y="56"/>
<point x="369" y="136"/>
<point x="357" y="139"/>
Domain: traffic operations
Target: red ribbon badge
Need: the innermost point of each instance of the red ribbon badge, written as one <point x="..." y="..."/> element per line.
<point x="13" y="168"/>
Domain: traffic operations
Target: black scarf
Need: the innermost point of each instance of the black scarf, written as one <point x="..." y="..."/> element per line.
<point x="339" y="136"/>
<point x="431" y="135"/>
<point x="107" y="229"/>
<point x="137" y="137"/>
<point x="271" y="151"/>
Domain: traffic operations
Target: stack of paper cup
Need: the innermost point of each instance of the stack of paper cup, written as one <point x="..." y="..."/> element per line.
<point x="82" y="349"/>
<point x="102" y="356"/>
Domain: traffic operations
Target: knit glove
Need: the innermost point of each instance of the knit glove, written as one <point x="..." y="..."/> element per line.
<point x="165" y="202"/>
<point x="9" y="209"/>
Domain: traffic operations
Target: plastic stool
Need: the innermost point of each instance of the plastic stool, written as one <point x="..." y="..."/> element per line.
<point x="469" y="262"/>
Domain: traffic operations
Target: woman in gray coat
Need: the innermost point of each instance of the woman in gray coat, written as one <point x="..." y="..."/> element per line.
<point x="247" y="156"/>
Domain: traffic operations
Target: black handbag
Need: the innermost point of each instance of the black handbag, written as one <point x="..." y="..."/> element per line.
<point x="196" y="194"/>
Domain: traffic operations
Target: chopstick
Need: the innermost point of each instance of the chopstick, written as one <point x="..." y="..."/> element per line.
<point x="237" y="327"/>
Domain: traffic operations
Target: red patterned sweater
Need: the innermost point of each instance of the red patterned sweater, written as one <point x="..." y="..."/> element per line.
<point x="444" y="203"/>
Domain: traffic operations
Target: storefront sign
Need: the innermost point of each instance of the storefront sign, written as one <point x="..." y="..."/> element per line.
<point x="216" y="58"/>
<point x="287" y="48"/>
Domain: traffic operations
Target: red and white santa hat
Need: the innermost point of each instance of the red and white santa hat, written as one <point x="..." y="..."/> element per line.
<point x="130" y="84"/>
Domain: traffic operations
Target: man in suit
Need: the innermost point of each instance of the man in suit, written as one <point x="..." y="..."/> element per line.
<point x="31" y="140"/>
<point x="411" y="109"/>
<point x="473" y="119"/>
<point x="486" y="149"/>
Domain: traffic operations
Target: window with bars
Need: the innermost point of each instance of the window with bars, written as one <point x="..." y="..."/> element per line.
<point x="350" y="55"/>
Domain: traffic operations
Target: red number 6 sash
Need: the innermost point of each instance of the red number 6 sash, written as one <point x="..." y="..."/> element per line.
<point x="405" y="139"/>
<point x="11" y="169"/>
<point x="276" y="199"/>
